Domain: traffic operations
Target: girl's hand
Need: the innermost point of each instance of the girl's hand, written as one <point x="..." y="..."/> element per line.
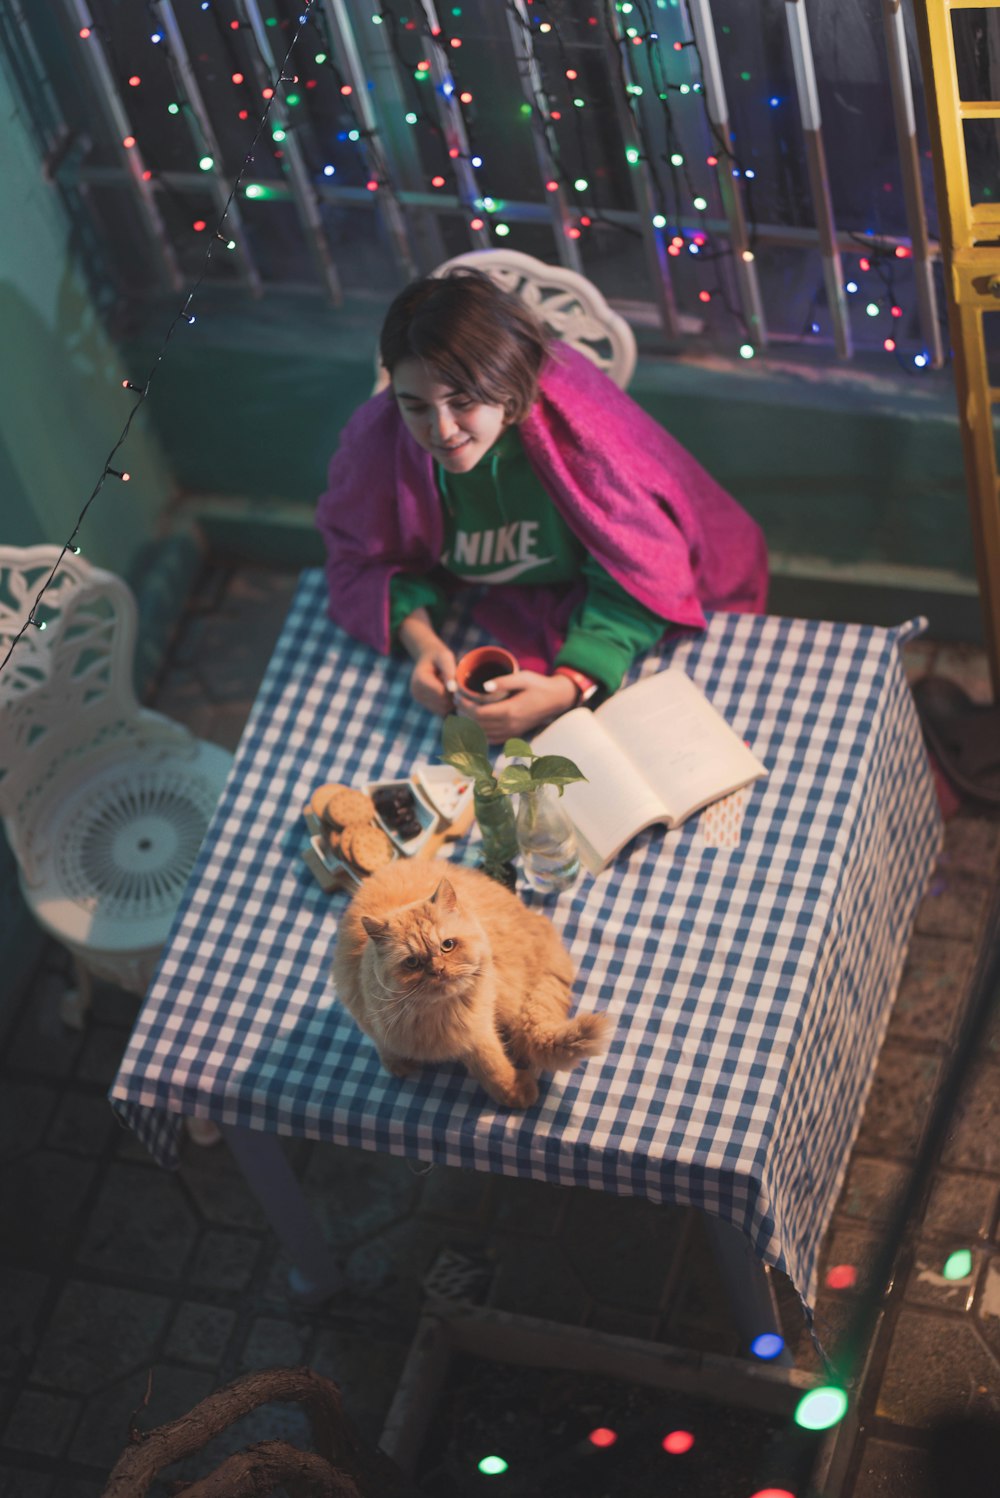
<point x="534" y="700"/>
<point x="432" y="679"/>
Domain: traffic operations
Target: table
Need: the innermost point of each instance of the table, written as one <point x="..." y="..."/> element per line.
<point x="751" y="987"/>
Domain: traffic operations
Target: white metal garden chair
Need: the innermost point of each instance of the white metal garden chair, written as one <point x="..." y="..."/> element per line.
<point x="104" y="802"/>
<point x="568" y="304"/>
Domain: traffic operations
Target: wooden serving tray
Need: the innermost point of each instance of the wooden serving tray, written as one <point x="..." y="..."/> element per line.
<point x="329" y="879"/>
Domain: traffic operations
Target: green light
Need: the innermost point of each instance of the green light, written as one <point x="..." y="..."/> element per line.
<point x="747" y="350"/>
<point x="502" y="229"/>
<point x="677" y="159"/>
<point x="744" y="76"/>
<point x="579" y="103"/>
<point x="631" y="155"/>
<point x="821" y="1408"/>
<point x="488" y="205"/>
<point x="626" y="8"/>
<point x="700" y="204"/>
<point x="420" y="74"/>
<point x="634" y="88"/>
<point x="491" y="1466"/>
<point x="659" y="222"/>
<point x="173" y="109"/>
<point x="271" y="21"/>
<point x="320" y="58"/>
<point x="376" y="20"/>
<point x="581" y="184"/>
<point x="872" y="309"/>
<point x="254" y="190"/>
<point x="684" y="89"/>
<point x="410" y="118"/>
<point x="354" y="135"/>
<point x="456" y="10"/>
<point x="958" y="1266"/>
<point x="206" y="163"/>
<point x="293" y="99"/>
<point x="277" y="133"/>
<point x="631" y="31"/>
<point x="525" y="109"/>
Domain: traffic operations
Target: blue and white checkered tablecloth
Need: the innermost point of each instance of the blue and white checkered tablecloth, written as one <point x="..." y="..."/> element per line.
<point x="751" y="987"/>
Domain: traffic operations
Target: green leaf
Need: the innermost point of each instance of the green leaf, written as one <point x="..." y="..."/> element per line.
<point x="463" y="736"/>
<point x="487" y="786"/>
<point x="515" y="778"/>
<point x="519" y="749"/>
<point x="470" y="764"/>
<point x="555" y="769"/>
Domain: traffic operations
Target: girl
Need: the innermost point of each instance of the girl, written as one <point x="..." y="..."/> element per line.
<point x="499" y="459"/>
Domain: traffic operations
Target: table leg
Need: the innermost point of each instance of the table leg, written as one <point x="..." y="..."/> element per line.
<point x="314" y="1274"/>
<point x="748" y="1284"/>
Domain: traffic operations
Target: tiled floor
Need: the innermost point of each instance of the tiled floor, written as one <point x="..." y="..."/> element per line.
<point x="114" y="1271"/>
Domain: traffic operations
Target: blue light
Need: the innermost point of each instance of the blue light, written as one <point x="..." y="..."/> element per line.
<point x="447" y="88"/>
<point x="920" y="360"/>
<point x="750" y="173"/>
<point x="767" y="1346"/>
<point x="815" y="327"/>
<point x="341" y="134"/>
<point x="851" y="286"/>
<point x="157" y="36"/>
<point x="329" y="170"/>
<point x="477" y="161"/>
<point x="774" y="101"/>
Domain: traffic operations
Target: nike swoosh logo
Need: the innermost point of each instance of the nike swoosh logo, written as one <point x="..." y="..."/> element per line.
<point x="504" y="574"/>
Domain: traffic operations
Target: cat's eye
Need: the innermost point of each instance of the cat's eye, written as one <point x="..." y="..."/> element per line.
<point x="412" y="962"/>
<point x="447" y="945"/>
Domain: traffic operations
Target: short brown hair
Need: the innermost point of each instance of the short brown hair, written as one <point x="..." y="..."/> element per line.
<point x="477" y="338"/>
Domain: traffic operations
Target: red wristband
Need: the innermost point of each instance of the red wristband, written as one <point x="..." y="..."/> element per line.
<point x="586" y="684"/>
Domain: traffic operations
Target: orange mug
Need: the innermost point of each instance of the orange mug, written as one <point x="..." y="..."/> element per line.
<point x="484" y="664"/>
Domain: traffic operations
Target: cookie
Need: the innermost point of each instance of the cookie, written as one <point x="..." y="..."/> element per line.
<point x="367" y="847"/>
<point x="319" y="798"/>
<point x="347" y="807"/>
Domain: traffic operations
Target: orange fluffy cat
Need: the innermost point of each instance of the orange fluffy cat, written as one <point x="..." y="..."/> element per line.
<point x="443" y="964"/>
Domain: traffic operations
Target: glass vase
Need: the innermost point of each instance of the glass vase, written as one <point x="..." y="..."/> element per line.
<point x="495" y="816"/>
<point x="550" y="859"/>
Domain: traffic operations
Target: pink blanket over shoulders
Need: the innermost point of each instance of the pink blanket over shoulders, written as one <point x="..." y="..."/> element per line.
<point x="643" y="507"/>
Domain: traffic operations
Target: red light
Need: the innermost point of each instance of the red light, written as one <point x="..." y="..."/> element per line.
<point x="841" y="1276"/>
<point x="147" y="175"/>
<point x="704" y="296"/>
<point x="889" y="344"/>
<point x="437" y="181"/>
<point x="310" y="83"/>
<point x="573" y="233"/>
<point x="711" y="160"/>
<point x="552" y="187"/>
<point x="128" y="142"/>
<point x="345" y="89"/>
<point x="585" y="221"/>
<point x="237" y="77"/>
<point x="864" y="264"/>
<point x="673" y="249"/>
<point x="476" y="223"/>
<point x="572" y="74"/>
<point x="677" y="1442"/>
<point x="903" y="252"/>
<point x="698" y="238"/>
<point x="423" y="66"/>
<point x="602" y="1436"/>
<point x="134" y="81"/>
<point x="267" y="93"/>
<point x="84" y="32"/>
<point x="556" y="114"/>
<point x="234" y="25"/>
<point x="198" y="225"/>
<point x="244" y="114"/>
<point x="678" y="46"/>
<point x="456" y="41"/>
<point x="466" y="98"/>
<point x="896" y="311"/>
<point x="454" y="153"/>
<point x="772" y="1493"/>
<point x="372" y="185"/>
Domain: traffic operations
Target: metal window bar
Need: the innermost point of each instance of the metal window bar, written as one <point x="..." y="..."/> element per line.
<point x="819" y="181"/>
<point x="972" y="280"/>
<point x="654" y="239"/>
<point x="453" y="126"/>
<point x="339" y="22"/>
<point x="717" y="105"/>
<point x="529" y="72"/>
<point x="179" y="61"/>
<point x="99" y="70"/>
<point x="264" y="66"/>
<point x="913" y="190"/>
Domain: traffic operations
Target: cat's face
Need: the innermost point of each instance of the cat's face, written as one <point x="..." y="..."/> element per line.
<point x="429" y="949"/>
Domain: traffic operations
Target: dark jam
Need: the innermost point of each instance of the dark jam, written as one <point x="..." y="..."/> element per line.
<point x="397" y="807"/>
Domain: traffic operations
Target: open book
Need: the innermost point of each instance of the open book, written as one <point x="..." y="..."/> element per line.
<point x="656" y="752"/>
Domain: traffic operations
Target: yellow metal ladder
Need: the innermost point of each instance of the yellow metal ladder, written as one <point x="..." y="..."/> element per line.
<point x="970" y="252"/>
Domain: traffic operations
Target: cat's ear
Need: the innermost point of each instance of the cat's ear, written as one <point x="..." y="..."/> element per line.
<point x="444" y="897"/>
<point x="376" y="929"/>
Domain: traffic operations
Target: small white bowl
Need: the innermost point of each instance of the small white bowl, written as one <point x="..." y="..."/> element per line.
<point x="426" y="815"/>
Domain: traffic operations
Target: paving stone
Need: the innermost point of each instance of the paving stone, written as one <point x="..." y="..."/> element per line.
<point x="103" y="1432"/>
<point x="852" y="1245"/>
<point x="890" y="1471"/>
<point x="97" y="1333"/>
<point x="872" y="1189"/>
<point x="971" y="843"/>
<point x="103" y="1048"/>
<point x="24" y="1111"/>
<point x="224" y="1261"/>
<point x="273" y="1343"/>
<point x="367" y="1372"/>
<point x="45" y="1191"/>
<point x="954" y="906"/>
<point x="355" y="1193"/>
<point x="199" y="1334"/>
<point x="927" y="1285"/>
<point x="898" y="1102"/>
<point x="41" y="1422"/>
<point x="937" y="1367"/>
<point x="532" y="1207"/>
<point x="21" y="1482"/>
<point x="933" y="988"/>
<point x="535" y="1277"/>
<point x="463" y="1196"/>
<point x="385" y="1272"/>
<point x="973" y="1140"/>
<point x="23" y="1293"/>
<point x="622" y="1247"/>
<point x="141" y="1225"/>
<point x="42" y="1044"/>
<point x="82" y="1124"/>
<point x="220" y="1193"/>
<point x="961" y="1206"/>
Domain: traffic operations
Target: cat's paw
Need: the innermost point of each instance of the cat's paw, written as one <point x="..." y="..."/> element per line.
<point x="521" y="1093"/>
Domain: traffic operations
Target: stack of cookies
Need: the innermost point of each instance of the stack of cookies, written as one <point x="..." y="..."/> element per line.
<point x="347" y="817"/>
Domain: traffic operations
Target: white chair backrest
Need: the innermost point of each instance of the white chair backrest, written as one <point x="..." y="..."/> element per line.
<point x="567" y="303"/>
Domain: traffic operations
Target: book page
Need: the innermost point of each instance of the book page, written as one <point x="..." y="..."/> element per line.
<point x="685" y="748"/>
<point x="615" y="802"/>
